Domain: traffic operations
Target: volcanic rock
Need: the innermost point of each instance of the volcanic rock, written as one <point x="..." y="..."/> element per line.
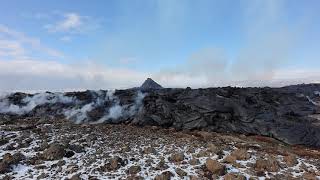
<point x="76" y="148"/>
<point x="291" y="160"/>
<point x="177" y="157"/>
<point x="75" y="177"/>
<point x="194" y="161"/>
<point x="150" y="84"/>
<point x="215" y="167"/>
<point x="164" y="176"/>
<point x="270" y="164"/>
<point x="149" y="150"/>
<point x="12" y="159"/>
<point x="4" y="168"/>
<point x="181" y="172"/>
<point x="240" y="154"/>
<point x="134" y="169"/>
<point x="3" y="141"/>
<point x="115" y="163"/>
<point x="289" y="114"/>
<point x="234" y="176"/>
<point x="54" y="152"/>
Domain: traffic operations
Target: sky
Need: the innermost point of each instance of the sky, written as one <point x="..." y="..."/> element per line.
<point x="59" y="45"/>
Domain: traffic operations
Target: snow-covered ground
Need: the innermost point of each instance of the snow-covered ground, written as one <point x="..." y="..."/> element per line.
<point x="122" y="152"/>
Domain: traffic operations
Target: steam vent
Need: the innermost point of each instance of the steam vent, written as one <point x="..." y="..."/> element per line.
<point x="150" y="84"/>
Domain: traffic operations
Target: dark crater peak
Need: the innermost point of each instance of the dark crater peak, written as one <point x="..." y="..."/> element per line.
<point x="150" y="84"/>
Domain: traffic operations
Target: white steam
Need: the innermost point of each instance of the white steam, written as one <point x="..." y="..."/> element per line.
<point x="76" y="110"/>
<point x="117" y="111"/>
<point x="30" y="102"/>
<point x="79" y="115"/>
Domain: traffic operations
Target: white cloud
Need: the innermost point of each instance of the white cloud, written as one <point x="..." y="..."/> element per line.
<point x="30" y="75"/>
<point x="16" y="45"/>
<point x="53" y="76"/>
<point x="72" y="23"/>
<point x="11" y="48"/>
<point x="19" y="70"/>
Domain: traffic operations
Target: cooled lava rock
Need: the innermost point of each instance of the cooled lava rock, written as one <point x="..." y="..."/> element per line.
<point x="290" y="114"/>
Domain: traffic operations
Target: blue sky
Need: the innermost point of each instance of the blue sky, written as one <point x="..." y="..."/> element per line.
<point x="62" y="45"/>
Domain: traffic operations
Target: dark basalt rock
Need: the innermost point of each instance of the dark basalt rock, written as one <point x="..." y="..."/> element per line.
<point x="290" y="114"/>
<point x="282" y="113"/>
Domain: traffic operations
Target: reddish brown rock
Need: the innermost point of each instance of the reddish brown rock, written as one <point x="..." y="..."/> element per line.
<point x="269" y="164"/>
<point x="215" y="167"/>
<point x="54" y="152"/>
<point x="234" y="176"/>
<point x="194" y="162"/>
<point x="309" y="176"/>
<point x="290" y="160"/>
<point x="177" y="157"/>
<point x="164" y="176"/>
<point x="240" y="154"/>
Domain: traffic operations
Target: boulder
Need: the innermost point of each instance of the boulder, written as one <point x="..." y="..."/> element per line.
<point x="234" y="176"/>
<point x="240" y="154"/>
<point x="270" y="164"/>
<point x="134" y="169"/>
<point x="290" y="160"/>
<point x="12" y="159"/>
<point x="4" y="168"/>
<point x="177" y="157"/>
<point x="76" y="148"/>
<point x="164" y="176"/>
<point x="194" y="161"/>
<point x="115" y="163"/>
<point x="54" y="152"/>
<point x="76" y="177"/>
<point x="181" y="172"/>
<point x="215" y="167"/>
<point x="149" y="150"/>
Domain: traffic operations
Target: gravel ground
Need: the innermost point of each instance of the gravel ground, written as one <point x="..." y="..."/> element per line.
<point x="58" y="149"/>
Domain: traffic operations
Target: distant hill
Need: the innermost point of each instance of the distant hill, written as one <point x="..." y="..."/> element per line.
<point x="150" y="84"/>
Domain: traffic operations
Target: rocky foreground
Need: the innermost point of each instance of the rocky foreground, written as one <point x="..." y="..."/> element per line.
<point x="39" y="148"/>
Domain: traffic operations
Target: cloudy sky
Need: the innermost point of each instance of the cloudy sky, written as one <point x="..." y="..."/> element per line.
<point x="63" y="45"/>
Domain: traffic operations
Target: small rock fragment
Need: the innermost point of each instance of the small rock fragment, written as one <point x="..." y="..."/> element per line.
<point x="181" y="172"/>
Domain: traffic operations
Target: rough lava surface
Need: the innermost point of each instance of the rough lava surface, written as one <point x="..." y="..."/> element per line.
<point x="160" y="133"/>
<point x="290" y="114"/>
